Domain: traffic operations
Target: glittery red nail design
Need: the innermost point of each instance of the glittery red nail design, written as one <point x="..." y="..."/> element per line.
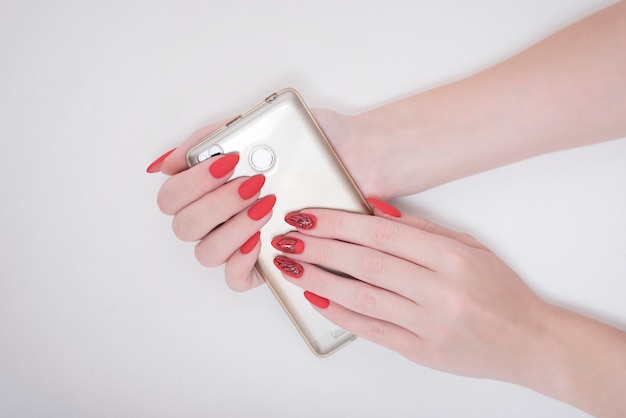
<point x="301" y="220"/>
<point x="288" y="245"/>
<point x="289" y="267"/>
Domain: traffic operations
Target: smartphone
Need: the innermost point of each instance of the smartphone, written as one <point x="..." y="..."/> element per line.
<point x="280" y="139"/>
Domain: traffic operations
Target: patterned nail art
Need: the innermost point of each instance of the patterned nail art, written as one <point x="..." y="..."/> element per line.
<point x="289" y="267"/>
<point x="301" y="220"/>
<point x="288" y="245"/>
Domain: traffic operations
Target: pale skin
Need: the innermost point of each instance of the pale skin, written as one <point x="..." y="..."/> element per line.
<point x="437" y="296"/>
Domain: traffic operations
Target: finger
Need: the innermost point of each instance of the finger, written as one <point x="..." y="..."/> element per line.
<point x="401" y="240"/>
<point x="374" y="314"/>
<point x="184" y="188"/>
<point x="239" y="270"/>
<point x="196" y="220"/>
<point x="380" y="332"/>
<point x="177" y="160"/>
<point x="218" y="246"/>
<point x="366" y="264"/>
<point x="354" y="295"/>
<point x="390" y="212"/>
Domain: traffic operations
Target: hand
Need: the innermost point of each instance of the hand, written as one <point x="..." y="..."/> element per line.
<point x="436" y="296"/>
<point x="223" y="216"/>
<point x="224" y="231"/>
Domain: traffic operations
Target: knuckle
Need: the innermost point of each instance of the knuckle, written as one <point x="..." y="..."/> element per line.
<point x="241" y="276"/>
<point x="180" y="230"/>
<point x="382" y="230"/>
<point x="426" y="225"/>
<point x="322" y="283"/>
<point x="459" y="258"/>
<point x="366" y="300"/>
<point x="238" y="282"/>
<point x="456" y="304"/>
<point x="164" y="204"/>
<point x="324" y="250"/>
<point x="206" y="255"/>
<point x="375" y="331"/>
<point x="335" y="225"/>
<point x="373" y="265"/>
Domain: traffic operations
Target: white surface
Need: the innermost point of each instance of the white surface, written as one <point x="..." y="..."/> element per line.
<point x="104" y="313"/>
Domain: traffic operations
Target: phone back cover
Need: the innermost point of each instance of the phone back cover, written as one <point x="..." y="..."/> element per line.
<point x="306" y="173"/>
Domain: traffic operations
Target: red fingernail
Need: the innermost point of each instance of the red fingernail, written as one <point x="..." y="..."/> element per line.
<point x="288" y="245"/>
<point x="289" y="267"/>
<point x="301" y="220"/>
<point x="251" y="243"/>
<point x="261" y="208"/>
<point x="251" y="186"/>
<point x="224" y="165"/>
<point x="385" y="208"/>
<point x="318" y="301"/>
<point x="155" y="167"/>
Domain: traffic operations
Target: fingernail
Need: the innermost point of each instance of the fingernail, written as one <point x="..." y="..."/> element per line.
<point x="289" y="267"/>
<point x="288" y="245"/>
<point x="224" y="165"/>
<point x="251" y="243"/>
<point x="316" y="300"/>
<point x="155" y="167"/>
<point x="385" y="208"/>
<point x="251" y="186"/>
<point x="301" y="220"/>
<point x="261" y="208"/>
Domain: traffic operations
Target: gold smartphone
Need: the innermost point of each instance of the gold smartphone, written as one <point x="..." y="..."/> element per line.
<point x="280" y="139"/>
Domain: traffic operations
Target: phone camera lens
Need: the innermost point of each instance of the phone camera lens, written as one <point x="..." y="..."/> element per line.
<point x="212" y="151"/>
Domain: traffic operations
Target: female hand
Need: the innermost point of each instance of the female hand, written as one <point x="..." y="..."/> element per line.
<point x="445" y="301"/>
<point x="225" y="216"/>
<point x="436" y="296"/>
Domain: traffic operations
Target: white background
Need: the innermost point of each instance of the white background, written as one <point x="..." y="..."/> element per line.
<point x="104" y="313"/>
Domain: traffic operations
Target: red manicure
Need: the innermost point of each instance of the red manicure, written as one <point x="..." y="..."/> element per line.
<point x="261" y="208"/>
<point x="251" y="243"/>
<point x="385" y="208"/>
<point x="224" y="165"/>
<point x="316" y="300"/>
<point x="288" y="245"/>
<point x="301" y="220"/>
<point x="155" y="167"/>
<point x="251" y="186"/>
<point x="289" y="267"/>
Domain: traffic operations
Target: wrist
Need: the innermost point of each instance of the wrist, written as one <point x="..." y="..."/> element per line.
<point x="577" y="360"/>
<point x="542" y="368"/>
<point x="443" y="134"/>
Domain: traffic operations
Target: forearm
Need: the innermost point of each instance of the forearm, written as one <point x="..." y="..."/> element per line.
<point x="566" y="91"/>
<point x="579" y="361"/>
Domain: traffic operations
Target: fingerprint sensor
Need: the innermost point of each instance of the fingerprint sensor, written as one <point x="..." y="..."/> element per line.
<point x="261" y="158"/>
